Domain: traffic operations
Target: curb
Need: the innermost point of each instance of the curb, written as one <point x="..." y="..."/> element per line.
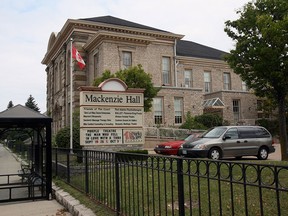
<point x="70" y="203"/>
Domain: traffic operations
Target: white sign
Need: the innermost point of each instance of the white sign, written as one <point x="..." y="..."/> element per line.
<point x="107" y="136"/>
<point x="111" y="116"/>
<point x="111" y="99"/>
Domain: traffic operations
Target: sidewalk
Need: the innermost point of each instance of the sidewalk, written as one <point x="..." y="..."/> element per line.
<point x="9" y="165"/>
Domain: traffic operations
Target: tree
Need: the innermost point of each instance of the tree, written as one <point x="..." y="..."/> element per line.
<point x="260" y="55"/>
<point x="134" y="77"/>
<point x="10" y="105"/>
<point x="31" y="104"/>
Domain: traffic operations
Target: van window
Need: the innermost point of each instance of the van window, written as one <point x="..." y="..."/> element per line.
<point x="215" y="132"/>
<point x="261" y="132"/>
<point x="232" y="133"/>
<point x="253" y="132"/>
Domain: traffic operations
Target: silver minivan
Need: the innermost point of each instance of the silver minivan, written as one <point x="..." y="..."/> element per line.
<point x="231" y="141"/>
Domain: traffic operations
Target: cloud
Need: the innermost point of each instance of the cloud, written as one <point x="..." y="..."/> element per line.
<point x="26" y="27"/>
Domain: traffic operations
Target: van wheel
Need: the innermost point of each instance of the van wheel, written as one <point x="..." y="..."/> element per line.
<point x="262" y="154"/>
<point x="214" y="154"/>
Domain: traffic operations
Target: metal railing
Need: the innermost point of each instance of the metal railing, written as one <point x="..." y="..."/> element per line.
<point x="134" y="184"/>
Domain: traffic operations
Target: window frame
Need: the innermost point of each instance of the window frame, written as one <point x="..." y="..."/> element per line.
<point x="178" y="110"/>
<point x="189" y="83"/>
<point x="124" y="59"/>
<point x="226" y="81"/>
<point x="207" y="83"/>
<point x="236" y="114"/>
<point x="166" y="70"/>
<point x="159" y="109"/>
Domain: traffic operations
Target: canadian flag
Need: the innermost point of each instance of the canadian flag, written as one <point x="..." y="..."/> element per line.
<point x="76" y="55"/>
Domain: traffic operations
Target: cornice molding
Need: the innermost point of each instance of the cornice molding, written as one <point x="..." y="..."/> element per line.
<point x="84" y="26"/>
<point x="108" y="35"/>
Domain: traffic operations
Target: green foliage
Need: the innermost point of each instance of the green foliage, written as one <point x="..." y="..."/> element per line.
<point x="209" y="120"/>
<point x="204" y="121"/>
<point x="10" y="104"/>
<point x="191" y="123"/>
<point x="134" y="77"/>
<point x="260" y="54"/>
<point x="32" y="104"/>
<point x="62" y="138"/>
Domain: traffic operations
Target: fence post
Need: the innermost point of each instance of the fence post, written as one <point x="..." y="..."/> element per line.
<point x="56" y="161"/>
<point x="180" y="186"/>
<point x="117" y="184"/>
<point x="86" y="172"/>
<point x="68" y="167"/>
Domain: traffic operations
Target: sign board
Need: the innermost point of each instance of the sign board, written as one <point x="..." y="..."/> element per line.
<point x="108" y="136"/>
<point x="97" y="116"/>
<point x="111" y="118"/>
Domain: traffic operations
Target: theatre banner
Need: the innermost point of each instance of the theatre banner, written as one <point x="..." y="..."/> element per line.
<point x="111" y="114"/>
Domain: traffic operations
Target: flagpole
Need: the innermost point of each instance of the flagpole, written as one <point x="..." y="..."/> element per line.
<point x="71" y="103"/>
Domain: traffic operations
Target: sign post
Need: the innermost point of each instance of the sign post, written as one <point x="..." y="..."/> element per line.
<point x="111" y="115"/>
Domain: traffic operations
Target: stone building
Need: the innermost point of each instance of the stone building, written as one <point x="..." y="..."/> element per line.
<point x="193" y="77"/>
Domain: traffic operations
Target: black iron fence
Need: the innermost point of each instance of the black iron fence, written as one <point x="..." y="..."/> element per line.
<point x="134" y="184"/>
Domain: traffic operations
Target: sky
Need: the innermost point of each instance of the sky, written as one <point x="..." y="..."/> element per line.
<point x="26" y="26"/>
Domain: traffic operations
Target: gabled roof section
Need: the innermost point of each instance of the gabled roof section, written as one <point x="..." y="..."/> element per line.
<point x="213" y="103"/>
<point x="120" y="22"/>
<point x="20" y="111"/>
<point x="21" y="116"/>
<point x="192" y="49"/>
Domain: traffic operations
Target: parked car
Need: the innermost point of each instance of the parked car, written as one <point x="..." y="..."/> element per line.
<point x="230" y="141"/>
<point x="172" y="147"/>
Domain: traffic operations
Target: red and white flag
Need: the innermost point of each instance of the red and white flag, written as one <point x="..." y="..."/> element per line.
<point x="76" y="55"/>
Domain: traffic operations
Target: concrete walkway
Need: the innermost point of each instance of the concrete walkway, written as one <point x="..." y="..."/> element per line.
<point x="9" y="165"/>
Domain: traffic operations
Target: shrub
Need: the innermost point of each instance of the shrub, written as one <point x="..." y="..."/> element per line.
<point x="209" y="120"/>
<point x="62" y="138"/>
<point x="204" y="121"/>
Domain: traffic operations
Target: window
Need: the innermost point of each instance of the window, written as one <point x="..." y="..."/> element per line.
<point x="96" y="65"/>
<point x="158" y="110"/>
<point x="60" y="74"/>
<point x="244" y="86"/>
<point x="207" y="81"/>
<point x="226" y="81"/>
<point x="178" y="110"/>
<point x="236" y="110"/>
<point x="261" y="113"/>
<point x="166" y="70"/>
<point x="56" y="78"/>
<point x="127" y="59"/>
<point x="232" y="133"/>
<point x="188" y="78"/>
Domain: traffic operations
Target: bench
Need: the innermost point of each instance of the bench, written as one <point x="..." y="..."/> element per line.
<point x="25" y="171"/>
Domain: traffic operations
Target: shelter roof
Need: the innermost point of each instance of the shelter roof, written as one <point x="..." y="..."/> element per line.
<point x="21" y="116"/>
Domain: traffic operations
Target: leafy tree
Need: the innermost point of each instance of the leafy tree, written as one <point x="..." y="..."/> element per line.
<point x="32" y="104"/>
<point x="10" y="105"/>
<point x="209" y="120"/>
<point x="62" y="137"/>
<point x="134" y="77"/>
<point x="260" y="55"/>
<point x="190" y="123"/>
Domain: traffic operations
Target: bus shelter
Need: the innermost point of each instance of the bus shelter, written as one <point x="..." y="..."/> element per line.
<point x="26" y="134"/>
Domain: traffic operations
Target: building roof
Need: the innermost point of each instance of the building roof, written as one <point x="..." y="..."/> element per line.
<point x="21" y="116"/>
<point x="121" y="22"/>
<point x="184" y="48"/>
<point x="192" y="49"/>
